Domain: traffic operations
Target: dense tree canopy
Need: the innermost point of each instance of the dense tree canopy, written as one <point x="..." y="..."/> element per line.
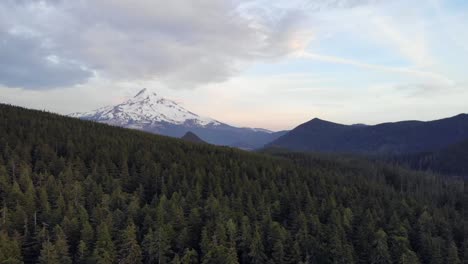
<point x="74" y="191"/>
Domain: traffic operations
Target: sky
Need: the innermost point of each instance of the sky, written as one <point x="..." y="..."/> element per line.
<point x="255" y="63"/>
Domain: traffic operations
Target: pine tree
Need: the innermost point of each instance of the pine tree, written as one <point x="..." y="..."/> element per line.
<point x="220" y="254"/>
<point x="257" y="254"/>
<point x="82" y="253"/>
<point x="61" y="246"/>
<point x="48" y="254"/>
<point x="130" y="251"/>
<point x="277" y="238"/>
<point x="190" y="257"/>
<point x="409" y="257"/>
<point x="278" y="254"/>
<point x="10" y="251"/>
<point x="452" y="254"/>
<point x="436" y="251"/>
<point x="379" y="254"/>
<point x="104" y="252"/>
<point x="156" y="246"/>
<point x="87" y="232"/>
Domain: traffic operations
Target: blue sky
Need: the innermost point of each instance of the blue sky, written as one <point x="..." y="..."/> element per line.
<point x="271" y="64"/>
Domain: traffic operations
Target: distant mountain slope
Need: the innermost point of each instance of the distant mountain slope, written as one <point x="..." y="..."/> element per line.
<point x="452" y="160"/>
<point x="189" y="136"/>
<point x="150" y="112"/>
<point x="399" y="137"/>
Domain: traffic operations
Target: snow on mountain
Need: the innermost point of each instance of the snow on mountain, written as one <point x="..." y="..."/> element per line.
<point x="145" y="109"/>
<point x="152" y="113"/>
<point x="259" y="130"/>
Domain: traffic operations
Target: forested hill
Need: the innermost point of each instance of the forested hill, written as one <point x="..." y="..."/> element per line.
<point x="189" y="136"/>
<point x="452" y="160"/>
<point x="74" y="191"/>
<point x="397" y="138"/>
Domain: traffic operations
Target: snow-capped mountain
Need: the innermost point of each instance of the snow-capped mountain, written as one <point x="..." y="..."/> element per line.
<point x="153" y="113"/>
<point x="145" y="109"/>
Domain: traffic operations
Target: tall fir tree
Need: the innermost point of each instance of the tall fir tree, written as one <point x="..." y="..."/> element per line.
<point x="48" y="254"/>
<point x="104" y="252"/>
<point x="129" y="250"/>
<point x="61" y="246"/>
<point x="379" y="254"/>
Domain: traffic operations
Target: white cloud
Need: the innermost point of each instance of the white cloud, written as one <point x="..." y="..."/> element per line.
<point x="180" y="42"/>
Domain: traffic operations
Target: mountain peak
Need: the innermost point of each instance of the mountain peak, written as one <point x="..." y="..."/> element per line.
<point x="317" y="120"/>
<point x="150" y="111"/>
<point x="141" y="92"/>
<point x="146" y="93"/>
<point x="145" y="109"/>
<point x="317" y="123"/>
<point x="192" y="137"/>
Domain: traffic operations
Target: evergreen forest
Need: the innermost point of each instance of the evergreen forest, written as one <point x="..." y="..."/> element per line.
<point x="74" y="191"/>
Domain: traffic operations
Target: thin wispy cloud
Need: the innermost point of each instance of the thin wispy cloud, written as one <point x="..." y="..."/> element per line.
<point x="332" y="59"/>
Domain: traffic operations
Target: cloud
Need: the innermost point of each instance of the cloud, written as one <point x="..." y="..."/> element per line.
<point x="406" y="33"/>
<point x="402" y="70"/>
<point x="26" y="62"/>
<point x="180" y="43"/>
<point x="431" y="89"/>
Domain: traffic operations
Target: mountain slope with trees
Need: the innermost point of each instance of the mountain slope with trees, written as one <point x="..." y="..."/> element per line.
<point x="388" y="138"/>
<point x="452" y="160"/>
<point x="74" y="191"/>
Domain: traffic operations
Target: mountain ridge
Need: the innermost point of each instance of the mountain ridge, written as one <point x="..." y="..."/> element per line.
<point x="392" y="137"/>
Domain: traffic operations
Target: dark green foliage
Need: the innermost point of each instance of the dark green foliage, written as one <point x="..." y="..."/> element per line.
<point x="130" y="251"/>
<point x="104" y="252"/>
<point x="452" y="160"/>
<point x="73" y="191"/>
<point x="10" y="251"/>
<point x="48" y="254"/>
<point x="61" y="246"/>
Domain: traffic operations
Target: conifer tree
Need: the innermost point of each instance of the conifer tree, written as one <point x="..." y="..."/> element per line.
<point x="48" y="254"/>
<point x="130" y="251"/>
<point x="104" y="251"/>
<point x="61" y="246"/>
<point x="221" y="254"/>
<point x="379" y="254"/>
<point x="82" y="253"/>
<point x="452" y="254"/>
<point x="156" y="246"/>
<point x="10" y="251"/>
<point x="257" y="254"/>
<point x="190" y="257"/>
<point x="409" y="257"/>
